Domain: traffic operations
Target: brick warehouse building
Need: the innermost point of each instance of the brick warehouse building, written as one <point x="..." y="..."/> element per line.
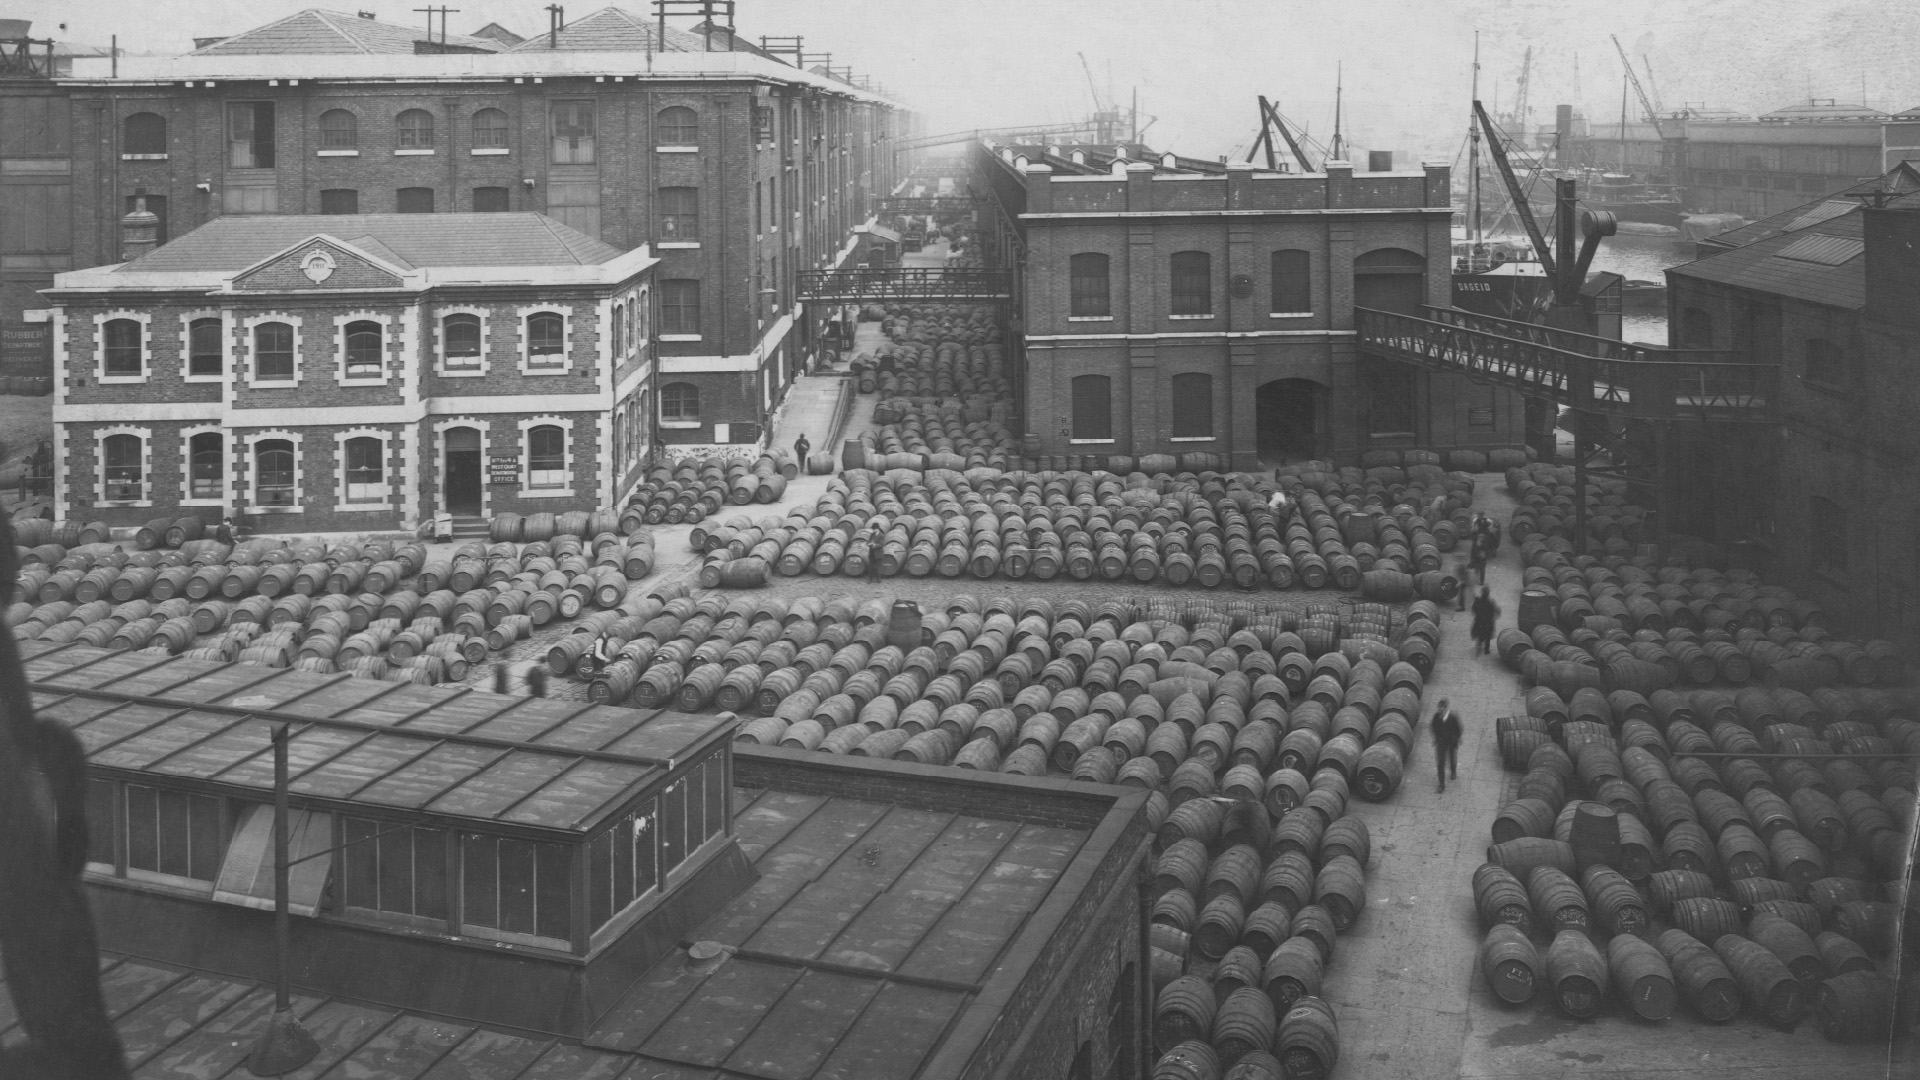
<point x="1174" y="306"/>
<point x="352" y="373"/>
<point x="1825" y="500"/>
<point x="738" y="168"/>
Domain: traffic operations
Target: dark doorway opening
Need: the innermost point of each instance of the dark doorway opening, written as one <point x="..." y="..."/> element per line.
<point x="1287" y="420"/>
<point x="463" y="471"/>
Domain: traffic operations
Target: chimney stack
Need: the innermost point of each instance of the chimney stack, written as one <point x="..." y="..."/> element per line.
<point x="139" y="229"/>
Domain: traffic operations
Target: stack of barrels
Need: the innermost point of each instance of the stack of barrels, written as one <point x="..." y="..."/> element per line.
<point x="1725" y="849"/>
<point x="1209" y="530"/>
<point x="937" y="438"/>
<point x="692" y="489"/>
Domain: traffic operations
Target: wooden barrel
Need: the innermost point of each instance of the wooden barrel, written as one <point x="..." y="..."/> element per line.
<point x="1558" y="903"/>
<point x="1707" y="919"/>
<point x="1688" y="847"/>
<point x="1702" y="976"/>
<point x="1340" y="887"/>
<point x="1766" y="983"/>
<point x="1522" y="855"/>
<point x="1523" y="818"/>
<point x="1789" y="943"/>
<point x="1348" y="836"/>
<point x="1500" y="898"/>
<point x="1309" y="1040"/>
<point x="1669" y="887"/>
<point x="1577" y="974"/>
<point x="1235" y="873"/>
<point x="1193" y="1059"/>
<point x="1378" y="771"/>
<point x="1270" y="924"/>
<point x="1294" y="969"/>
<point x="1288" y="881"/>
<point x="1183" y="1010"/>
<point x="1510" y="963"/>
<point x="1614" y="900"/>
<point x="1244" y="1024"/>
<point x="1841" y="954"/>
<point x="1855" y="1006"/>
<point x="1315" y="923"/>
<point x="1641" y="976"/>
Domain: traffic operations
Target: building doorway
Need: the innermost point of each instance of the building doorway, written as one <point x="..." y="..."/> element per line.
<point x="1287" y="416"/>
<point x="463" y="471"/>
<point x="1390" y="279"/>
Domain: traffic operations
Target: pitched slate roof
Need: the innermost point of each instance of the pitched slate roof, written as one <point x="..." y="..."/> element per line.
<point x="1902" y="177"/>
<point x="237" y="241"/>
<point x="1763" y="267"/>
<point x="316" y="30"/>
<point x="615" y="29"/>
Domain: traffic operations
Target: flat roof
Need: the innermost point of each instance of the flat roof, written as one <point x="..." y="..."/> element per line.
<point x="456" y="753"/>
<point x="880" y="941"/>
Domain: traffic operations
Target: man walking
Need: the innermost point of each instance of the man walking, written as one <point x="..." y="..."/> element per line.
<point x="876" y="536"/>
<point x="1485" y="612"/>
<point x="800" y="448"/>
<point x="1446" y="742"/>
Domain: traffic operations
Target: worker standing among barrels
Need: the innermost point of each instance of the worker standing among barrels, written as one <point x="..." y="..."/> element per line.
<point x="800" y="448"/>
<point x="1485" y="612"/>
<point x="1446" y="742"/>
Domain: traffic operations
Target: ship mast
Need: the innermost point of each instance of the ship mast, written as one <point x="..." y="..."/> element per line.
<point x="1338" y="153"/>
<point x="1473" y="159"/>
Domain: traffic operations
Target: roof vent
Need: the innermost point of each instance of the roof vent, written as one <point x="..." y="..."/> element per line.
<point x="367" y="15"/>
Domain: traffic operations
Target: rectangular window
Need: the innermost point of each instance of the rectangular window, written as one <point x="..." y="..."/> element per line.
<point x="366" y="470"/>
<point x="673" y="827"/>
<point x="173" y="833"/>
<point x="1192" y="283"/>
<point x="1292" y="283"/>
<point x="339" y="201"/>
<point x="1091" y="296"/>
<point x="490" y="200"/>
<point x="679" y="213"/>
<point x="203" y="347"/>
<point x="100" y="822"/>
<point x="273" y="473"/>
<point x="394" y="868"/>
<point x="572" y="132"/>
<point x="250" y="134"/>
<point x="516" y="886"/>
<point x="1827" y="528"/>
<point x="414" y="200"/>
<point x="757" y="189"/>
<point x="546" y="457"/>
<point x="680" y="306"/>
<point x="762" y="124"/>
<point x="1092" y="407"/>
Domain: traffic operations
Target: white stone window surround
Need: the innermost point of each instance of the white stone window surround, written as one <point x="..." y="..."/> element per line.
<point x="389" y="328"/>
<point x="253" y="442"/>
<point x="100" y="321"/>
<point x="186" y="465"/>
<point x="187" y="319"/>
<point x="440" y="367"/>
<point x="527" y="366"/>
<point x="527" y="490"/>
<point x="341" y="503"/>
<point x="247" y="372"/>
<point x="440" y="428"/>
<point x="100" y="436"/>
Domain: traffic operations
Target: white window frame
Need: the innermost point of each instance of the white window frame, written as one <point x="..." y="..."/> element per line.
<point x="247" y="368"/>
<point x="100" y="436"/>
<point x="527" y="490"/>
<point x="440" y="367"/>
<point x="100" y="322"/>
<point x="387" y="331"/>
<point x="342" y="502"/>
<point x="526" y="312"/>
<point x="253" y="442"/>
<point x="677" y="423"/>
<point x="187" y="319"/>
<point x="186" y="465"/>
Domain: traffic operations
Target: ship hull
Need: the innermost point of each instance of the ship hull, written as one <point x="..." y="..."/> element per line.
<point x="1521" y="297"/>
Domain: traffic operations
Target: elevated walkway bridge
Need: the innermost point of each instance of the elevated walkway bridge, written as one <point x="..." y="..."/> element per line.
<point x="905" y="285"/>
<point x="1578" y="371"/>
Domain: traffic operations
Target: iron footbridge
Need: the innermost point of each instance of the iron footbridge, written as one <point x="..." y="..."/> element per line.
<point x="1574" y="370"/>
<point x="910" y="284"/>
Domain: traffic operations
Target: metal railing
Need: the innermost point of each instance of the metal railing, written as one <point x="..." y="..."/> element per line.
<point x="1577" y="370"/>
<point x="937" y="204"/>
<point x="880" y="285"/>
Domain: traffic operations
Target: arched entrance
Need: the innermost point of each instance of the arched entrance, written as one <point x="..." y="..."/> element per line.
<point x="1287" y="419"/>
<point x="1390" y="279"/>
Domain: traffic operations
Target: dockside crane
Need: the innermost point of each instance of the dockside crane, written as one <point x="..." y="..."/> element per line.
<point x="1270" y="121"/>
<point x="1653" y="114"/>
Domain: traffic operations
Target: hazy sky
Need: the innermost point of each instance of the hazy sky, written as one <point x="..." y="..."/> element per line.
<point x="1198" y="64"/>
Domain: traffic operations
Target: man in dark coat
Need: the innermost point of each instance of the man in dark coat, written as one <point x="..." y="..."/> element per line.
<point x="1485" y="612"/>
<point x="1446" y="742"/>
<point x="800" y="448"/>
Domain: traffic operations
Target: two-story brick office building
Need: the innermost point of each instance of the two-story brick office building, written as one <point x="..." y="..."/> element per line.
<point x="738" y="168"/>
<point x="336" y="373"/>
<point x="1174" y="306"/>
<point x="1824" y="501"/>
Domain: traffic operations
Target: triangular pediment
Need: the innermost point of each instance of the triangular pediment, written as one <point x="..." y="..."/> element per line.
<point x="318" y="264"/>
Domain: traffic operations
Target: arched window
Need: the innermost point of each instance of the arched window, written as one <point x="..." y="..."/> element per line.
<point x="677" y="125"/>
<point x="680" y="401"/>
<point x="1390" y="279"/>
<point x="680" y="306"/>
<point x="1091" y="295"/>
<point x="144" y="133"/>
<point x="460" y="335"/>
<point x="679" y="213"/>
<point x="123" y="348"/>
<point x="1192" y="405"/>
<point x="366" y="470"/>
<point x="273" y="352"/>
<point x="340" y="129"/>
<point x="1192" y="283"/>
<point x="490" y="130"/>
<point x="121" y="456"/>
<point x="273" y="473"/>
<point x="1696" y="329"/>
<point x="546" y="339"/>
<point x="546" y="456"/>
<point x="1292" y="282"/>
<point x="206" y="459"/>
<point x="203" y="347"/>
<point x="619" y="332"/>
<point x="413" y="130"/>
<point x="363" y="349"/>
<point x="1092" y="407"/>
